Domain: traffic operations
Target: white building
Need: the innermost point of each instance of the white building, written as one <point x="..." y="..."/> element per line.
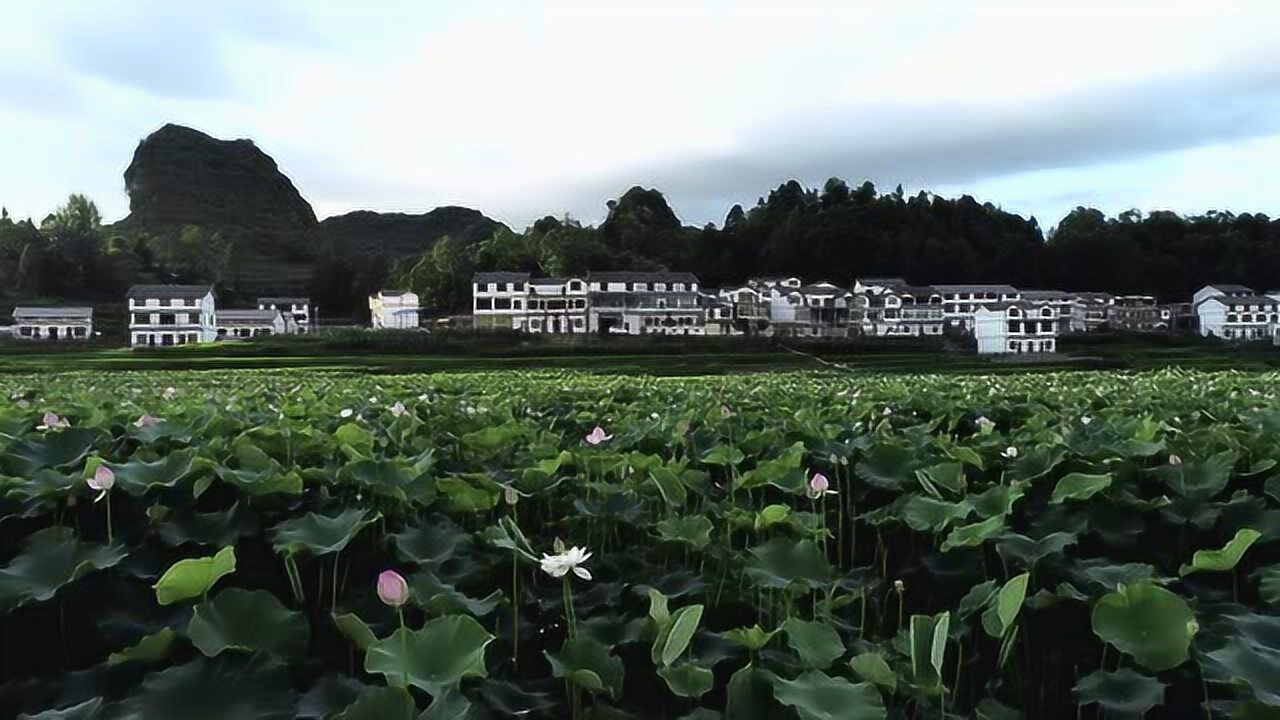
<point x="1063" y="304"/>
<point x="166" y="315"/>
<point x="960" y="302"/>
<point x="901" y="311"/>
<point x="499" y="300"/>
<point x="1233" y="312"/>
<point x="556" y="306"/>
<point x="246" y="323"/>
<point x="1091" y="312"/>
<point x="296" y="311"/>
<point x="1015" y="327"/>
<point x="52" y="323"/>
<point x="394" y="310"/>
<point x="645" y="303"/>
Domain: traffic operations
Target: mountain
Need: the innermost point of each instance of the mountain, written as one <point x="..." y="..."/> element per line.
<point x="181" y="176"/>
<point x="398" y="234"/>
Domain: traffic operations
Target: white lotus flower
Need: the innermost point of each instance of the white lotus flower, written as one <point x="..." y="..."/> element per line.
<point x="398" y="409"/>
<point x="1010" y="452"/>
<point x="985" y="424"/>
<point x="1086" y="420"/>
<point x="346" y="413"/>
<point x="169" y="393"/>
<point x="146" y="420"/>
<point x="558" y="566"/>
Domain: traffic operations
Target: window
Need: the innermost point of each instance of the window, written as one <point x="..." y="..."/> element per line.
<point x="502" y="304"/>
<point x="484" y="304"/>
<point x="168" y="319"/>
<point x="575" y="285"/>
<point x="493" y="287"/>
<point x="140" y="319"/>
<point x="517" y="304"/>
<point x="519" y="287"/>
<point x="1046" y="327"/>
<point x="577" y="322"/>
<point x="660" y="287"/>
<point x="678" y="287"/>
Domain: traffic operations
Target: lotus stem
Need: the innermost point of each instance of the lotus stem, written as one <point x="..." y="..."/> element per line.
<point x="110" y="535"/>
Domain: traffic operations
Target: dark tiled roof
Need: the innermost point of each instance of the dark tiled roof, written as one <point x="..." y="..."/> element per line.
<point x="284" y="301"/>
<point x="1231" y="288"/>
<point x="1244" y="300"/>
<point x="247" y="315"/>
<point x="977" y="288"/>
<point x="187" y="292"/>
<point x="1044" y="295"/>
<point x="499" y="276"/>
<point x="52" y="311"/>
<point x="645" y="277"/>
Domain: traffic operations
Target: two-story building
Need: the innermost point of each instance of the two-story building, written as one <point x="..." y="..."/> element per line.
<point x="900" y="310"/>
<point x="166" y="315"/>
<point x="750" y="309"/>
<point x="1063" y="304"/>
<point x="1139" y="313"/>
<point x="1233" y="312"/>
<point x="960" y="302"/>
<point x="556" y="306"/>
<point x="296" y="311"/>
<point x="394" y="310"/>
<point x="499" y="300"/>
<point x="1090" y="312"/>
<point x="1015" y="327"/>
<point x="55" y="323"/>
<point x="644" y="303"/>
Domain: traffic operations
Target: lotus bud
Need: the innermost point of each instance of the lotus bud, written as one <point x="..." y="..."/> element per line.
<point x="104" y="478"/>
<point x="899" y="587"/>
<point x="597" y="436"/>
<point x="1174" y="459"/>
<point x="392" y="588"/>
<point x="510" y="495"/>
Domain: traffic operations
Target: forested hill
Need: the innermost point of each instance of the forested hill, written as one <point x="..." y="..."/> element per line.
<point x="222" y="211"/>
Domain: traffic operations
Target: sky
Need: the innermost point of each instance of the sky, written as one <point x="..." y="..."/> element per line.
<point x="522" y="109"/>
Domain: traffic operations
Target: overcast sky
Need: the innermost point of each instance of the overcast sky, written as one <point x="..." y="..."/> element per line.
<point x="522" y="109"/>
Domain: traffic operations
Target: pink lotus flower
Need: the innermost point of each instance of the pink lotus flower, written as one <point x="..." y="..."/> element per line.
<point x="819" y="485"/>
<point x="392" y="588"/>
<point x="597" y="436"/>
<point x="146" y="420"/>
<point x="104" y="478"/>
<point x="51" y="421"/>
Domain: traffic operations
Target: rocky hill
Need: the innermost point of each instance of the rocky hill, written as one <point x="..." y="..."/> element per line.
<point x="397" y="234"/>
<point x="180" y="176"/>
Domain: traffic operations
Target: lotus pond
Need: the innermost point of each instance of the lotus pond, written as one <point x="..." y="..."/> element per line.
<point x="283" y="544"/>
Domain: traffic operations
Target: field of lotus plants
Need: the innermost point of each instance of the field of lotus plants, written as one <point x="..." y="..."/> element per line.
<point x="280" y="544"/>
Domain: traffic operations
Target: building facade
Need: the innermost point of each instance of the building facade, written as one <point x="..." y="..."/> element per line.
<point x="53" y="323"/>
<point x="1233" y="312"/>
<point x="248" y="323"/>
<point x="1016" y="327"/>
<point x="295" y="310"/>
<point x="960" y="302"/>
<point x="394" y="310"/>
<point x="645" y="303"/>
<point x="168" y="315"/>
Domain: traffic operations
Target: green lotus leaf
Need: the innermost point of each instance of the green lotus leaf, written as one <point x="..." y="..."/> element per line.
<point x="779" y="563"/>
<point x="928" y="641"/>
<point x="59" y="449"/>
<point x="249" y="620"/>
<point x="150" y="649"/>
<point x="752" y="638"/>
<point x="672" y="490"/>
<point x="1223" y="559"/>
<point x="771" y="515"/>
<point x="261" y="482"/>
<point x="87" y="710"/>
<point x="354" y="441"/>
<point x="215" y="528"/>
<point x="723" y="455"/>
<point x="1123" y="691"/>
<point x="452" y="705"/>
<point x="750" y="695"/>
<point x="887" y="466"/>
<point x="329" y="695"/>
<point x="1148" y="622"/>
<point x="470" y="492"/>
<point x="433" y="543"/>
<point x="782" y="471"/>
<point x="997" y="500"/>
<point x="320" y="534"/>
<point x="926" y="514"/>
<point x="1079" y="486"/>
<point x="992" y="709"/>
<point x="1005" y="606"/>
<point x="1027" y="552"/>
<point x="1269" y="584"/>
<point x="355" y="630"/>
<point x="1102" y="575"/>
<point x="817" y="643"/>
<point x="977" y="598"/>
<point x="974" y="534"/>
<point x="138" y="477"/>
<point x="588" y="664"/>
<point x="193" y="577"/>
<point x="675" y="635"/>
<point x="693" y="530"/>
<point x="702" y="714"/>
<point x="1035" y="462"/>
<point x="818" y="696"/>
<point x="443" y="652"/>
<point x="230" y="686"/>
<point x="1249" y="656"/>
<point x="872" y="667"/>
<point x="1199" y="480"/>
<point x="52" y="558"/>
<point x="390" y="478"/>
<point x="432" y="593"/>
<point x="381" y="703"/>
<point x="947" y="476"/>
<point x="508" y="535"/>
<point x="688" y="680"/>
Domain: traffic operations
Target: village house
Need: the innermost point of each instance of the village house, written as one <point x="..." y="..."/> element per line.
<point x="53" y="323"/>
<point x="718" y="313"/>
<point x="1090" y="312"/>
<point x="1015" y="327"/>
<point x="296" y="311"/>
<point x="960" y="302"/>
<point x="750" y="309"/>
<point x="247" y="323"/>
<point x="1063" y="304"/>
<point x="555" y="305"/>
<point x="900" y="311"/>
<point x="1139" y="313"/>
<point x="394" y="310"/>
<point x="166" y="315"/>
<point x="640" y="303"/>
<point x="1234" y="312"/>
<point x="498" y="300"/>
